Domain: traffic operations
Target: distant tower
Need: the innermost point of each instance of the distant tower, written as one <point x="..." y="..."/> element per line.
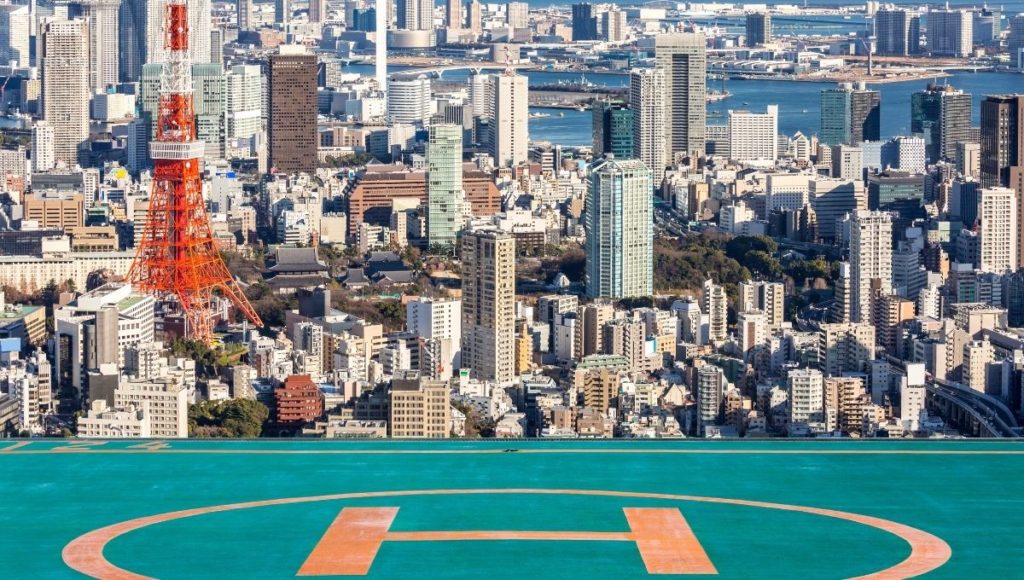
<point x="64" y="56"/>
<point x="177" y="258"/>
<point x="380" y="46"/>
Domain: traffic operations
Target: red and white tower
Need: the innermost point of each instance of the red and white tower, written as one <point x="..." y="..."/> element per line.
<point x="177" y="258"/>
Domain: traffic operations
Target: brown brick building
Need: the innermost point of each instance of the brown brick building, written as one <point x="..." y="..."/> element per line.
<point x="371" y="194"/>
<point x="298" y="401"/>
<point x="292" y="133"/>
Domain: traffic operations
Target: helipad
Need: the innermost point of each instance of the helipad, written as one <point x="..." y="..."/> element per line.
<point x="511" y="509"/>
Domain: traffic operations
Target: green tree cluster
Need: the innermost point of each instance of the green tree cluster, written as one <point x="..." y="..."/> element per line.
<point x="685" y="263"/>
<point x="757" y="254"/>
<point x="235" y="418"/>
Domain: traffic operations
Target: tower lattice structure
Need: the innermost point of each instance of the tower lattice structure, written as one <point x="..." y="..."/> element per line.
<point x="177" y="258"/>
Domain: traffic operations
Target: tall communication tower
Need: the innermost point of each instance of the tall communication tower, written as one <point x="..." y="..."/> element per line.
<point x="177" y="258"/>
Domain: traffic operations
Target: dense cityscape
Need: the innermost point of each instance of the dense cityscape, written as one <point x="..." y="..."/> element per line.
<point x="325" y="219"/>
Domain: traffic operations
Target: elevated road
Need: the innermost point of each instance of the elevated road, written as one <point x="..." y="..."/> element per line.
<point x="984" y="414"/>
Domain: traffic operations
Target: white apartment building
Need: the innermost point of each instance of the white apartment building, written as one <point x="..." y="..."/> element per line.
<point x="64" y="58"/>
<point x="647" y="94"/>
<point x="997" y="215"/>
<point x="438" y="318"/>
<point x="870" y="259"/>
<point x="409" y="100"/>
<point x="806" y="396"/>
<point x="166" y="400"/>
<point x="754" y="136"/>
<point x="508" y="109"/>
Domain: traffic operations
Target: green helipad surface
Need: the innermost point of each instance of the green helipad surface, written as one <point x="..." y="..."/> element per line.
<point x="963" y="494"/>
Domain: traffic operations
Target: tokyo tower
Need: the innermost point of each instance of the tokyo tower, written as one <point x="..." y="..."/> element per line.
<point x="177" y="259"/>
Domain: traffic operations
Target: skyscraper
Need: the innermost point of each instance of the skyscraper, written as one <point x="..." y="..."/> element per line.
<point x="998" y="230"/>
<point x="244" y="102"/>
<point x="415" y="14"/>
<point x="898" y="32"/>
<point x="453" y="14"/>
<point x="15" y="31"/>
<point x="131" y="42"/>
<point x="244" y="14"/>
<point x="613" y="129"/>
<point x="474" y="16"/>
<point x="942" y="116"/>
<point x="870" y="260"/>
<point x="517" y="15"/>
<point x="1002" y="133"/>
<point x="200" y="21"/>
<point x="508" y="109"/>
<point x="619" y="229"/>
<point x="584" y="24"/>
<point x="209" y="99"/>
<point x="292" y="127"/>
<point x="950" y="33"/>
<point x="647" y="95"/>
<point x="759" y="28"/>
<point x="683" y="59"/>
<point x="104" y="60"/>
<point x="409" y="100"/>
<point x="444" y="184"/>
<point x="1015" y="41"/>
<point x="488" y="305"/>
<point x="850" y="115"/>
<point x="317" y="10"/>
<point x="754" y="136"/>
<point x="64" y="58"/>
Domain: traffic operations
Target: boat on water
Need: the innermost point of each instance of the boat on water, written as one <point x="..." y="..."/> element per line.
<point x="561" y="113"/>
<point x="539" y="115"/>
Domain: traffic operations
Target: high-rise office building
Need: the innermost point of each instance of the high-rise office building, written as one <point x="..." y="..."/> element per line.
<point x="758" y="29"/>
<point x="244" y="102"/>
<point x="1002" y="138"/>
<point x="647" y="97"/>
<point x="870" y="260"/>
<point x="292" y="126"/>
<point x="474" y="16"/>
<point x="950" y="33"/>
<point x="942" y="116"/>
<point x="508" y="110"/>
<point x="488" y="305"/>
<point x="754" y="136"/>
<point x="517" y="15"/>
<point x="613" y="129"/>
<point x="409" y="100"/>
<point x="131" y="41"/>
<point x="683" y="59"/>
<point x="415" y="14"/>
<point x="282" y="11"/>
<point x="998" y="230"/>
<point x="444" y="184"/>
<point x="897" y="32"/>
<point x="614" y="26"/>
<point x="453" y="14"/>
<point x="104" y="60"/>
<point x="584" y="23"/>
<point x="200" y="22"/>
<point x="244" y="14"/>
<point x="1015" y="41"/>
<point x="986" y="25"/>
<point x="15" y="32"/>
<point x="619" y="227"/>
<point x="317" y="10"/>
<point x="43" y="154"/>
<point x="208" y="101"/>
<point x="64" y="58"/>
<point x="850" y="114"/>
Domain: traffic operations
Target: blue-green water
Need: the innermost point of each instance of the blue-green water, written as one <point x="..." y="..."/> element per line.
<point x="799" y="108"/>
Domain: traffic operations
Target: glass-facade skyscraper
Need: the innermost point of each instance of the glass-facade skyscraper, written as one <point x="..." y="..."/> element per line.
<point x="444" y="184"/>
<point x="619" y="228"/>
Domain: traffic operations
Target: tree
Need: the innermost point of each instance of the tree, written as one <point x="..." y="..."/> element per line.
<point x="235" y="418"/>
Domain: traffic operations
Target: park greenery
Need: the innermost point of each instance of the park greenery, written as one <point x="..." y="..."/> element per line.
<point x="236" y="418"/>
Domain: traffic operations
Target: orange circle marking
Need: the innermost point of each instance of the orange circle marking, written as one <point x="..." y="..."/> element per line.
<point x="85" y="553"/>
